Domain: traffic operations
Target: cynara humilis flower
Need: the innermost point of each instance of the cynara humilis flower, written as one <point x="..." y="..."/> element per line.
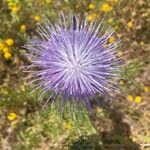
<point x="74" y="61"/>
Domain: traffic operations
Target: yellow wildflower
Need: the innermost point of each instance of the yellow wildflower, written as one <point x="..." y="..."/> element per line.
<point x="6" y="49"/>
<point x="110" y="20"/>
<point x="68" y="125"/>
<point x="142" y="43"/>
<point x="92" y="16"/>
<point x="48" y="1"/>
<point x="7" y="55"/>
<point x="91" y="6"/>
<point x="9" y="41"/>
<point x="1" y="45"/>
<point x="106" y="7"/>
<point x="137" y="99"/>
<point x="146" y="89"/>
<point x="37" y="18"/>
<point x="112" y="39"/>
<point x="130" y="97"/>
<point x="119" y="53"/>
<point x="130" y="24"/>
<point x="14" y="9"/>
<point x="11" y="116"/>
<point x="22" y="28"/>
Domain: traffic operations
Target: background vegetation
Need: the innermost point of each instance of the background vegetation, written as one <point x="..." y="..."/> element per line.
<point x="125" y="124"/>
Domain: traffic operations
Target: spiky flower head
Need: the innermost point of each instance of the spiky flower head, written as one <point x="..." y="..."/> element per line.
<point x="74" y="60"/>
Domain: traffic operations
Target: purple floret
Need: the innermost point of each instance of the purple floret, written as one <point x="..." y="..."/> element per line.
<point x="74" y="60"/>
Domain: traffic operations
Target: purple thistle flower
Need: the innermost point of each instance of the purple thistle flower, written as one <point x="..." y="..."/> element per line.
<point x="74" y="60"/>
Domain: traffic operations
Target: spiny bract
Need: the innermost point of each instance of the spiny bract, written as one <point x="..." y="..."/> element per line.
<point x="74" y="60"/>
